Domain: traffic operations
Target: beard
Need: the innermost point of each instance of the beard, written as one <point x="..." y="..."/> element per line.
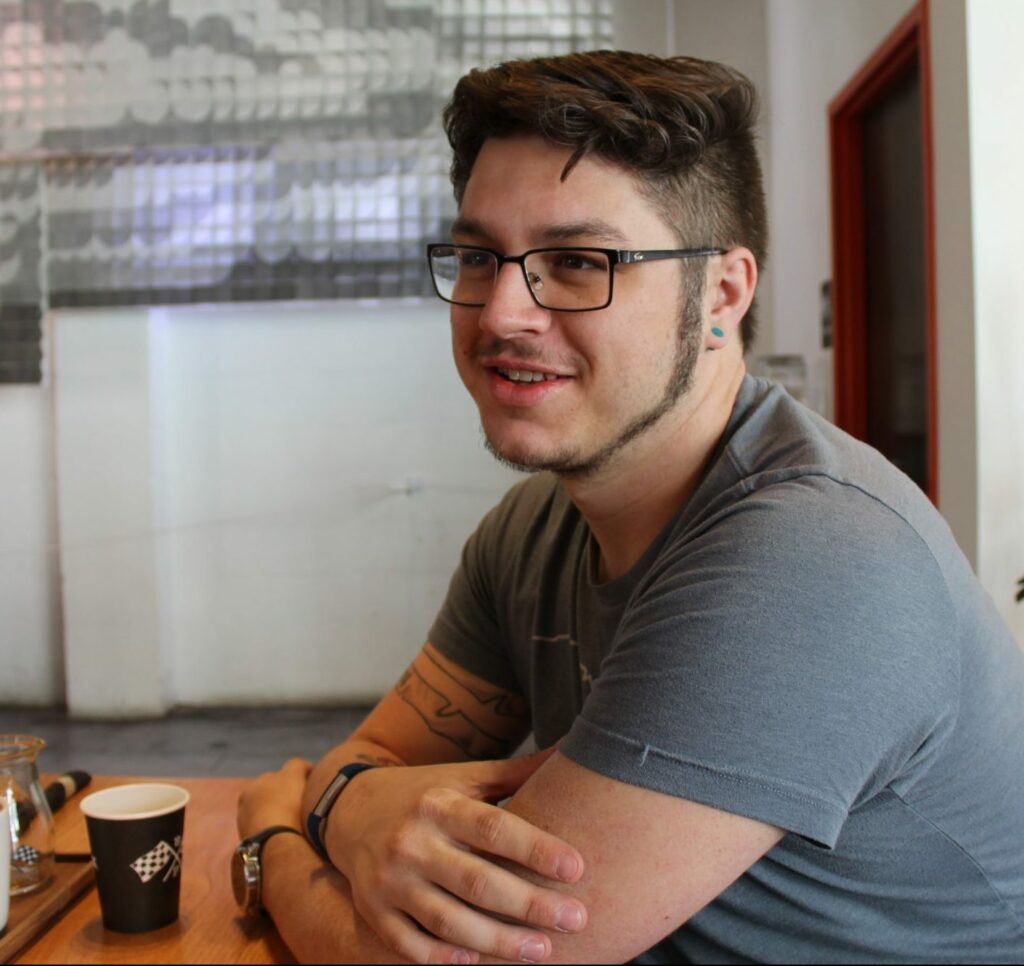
<point x="575" y="464"/>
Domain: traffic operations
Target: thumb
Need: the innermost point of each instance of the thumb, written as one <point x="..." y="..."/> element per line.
<point x="499" y="779"/>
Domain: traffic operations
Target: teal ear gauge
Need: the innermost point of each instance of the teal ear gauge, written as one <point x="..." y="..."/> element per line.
<point x="718" y="332"/>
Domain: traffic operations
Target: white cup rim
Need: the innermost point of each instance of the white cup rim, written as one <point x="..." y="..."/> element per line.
<point x="103" y="804"/>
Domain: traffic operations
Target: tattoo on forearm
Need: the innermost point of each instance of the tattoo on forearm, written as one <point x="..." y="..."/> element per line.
<point x="441" y="715"/>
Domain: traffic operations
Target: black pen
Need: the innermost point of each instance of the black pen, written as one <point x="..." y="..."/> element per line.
<point x="57" y="793"/>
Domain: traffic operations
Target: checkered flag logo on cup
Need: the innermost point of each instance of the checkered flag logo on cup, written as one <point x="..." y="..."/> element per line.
<point x="148" y="866"/>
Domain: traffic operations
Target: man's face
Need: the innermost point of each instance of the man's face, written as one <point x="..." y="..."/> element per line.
<point x="619" y="371"/>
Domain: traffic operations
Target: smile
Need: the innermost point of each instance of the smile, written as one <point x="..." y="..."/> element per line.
<point x="527" y="375"/>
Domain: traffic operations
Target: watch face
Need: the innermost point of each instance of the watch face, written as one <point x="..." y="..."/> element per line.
<point x="245" y="872"/>
<point x="238" y="885"/>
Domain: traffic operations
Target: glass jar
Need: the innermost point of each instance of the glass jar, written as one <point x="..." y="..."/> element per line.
<point x="28" y="817"/>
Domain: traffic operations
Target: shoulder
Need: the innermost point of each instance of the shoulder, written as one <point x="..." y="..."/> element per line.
<point x="802" y="582"/>
<point x="789" y="484"/>
<point x="817" y="550"/>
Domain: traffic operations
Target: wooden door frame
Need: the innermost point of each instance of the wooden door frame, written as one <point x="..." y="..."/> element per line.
<point x="905" y="47"/>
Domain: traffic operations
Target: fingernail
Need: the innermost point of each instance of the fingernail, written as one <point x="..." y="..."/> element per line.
<point x="532" y="951"/>
<point x="569" y="919"/>
<point x="461" y="958"/>
<point x="568" y="868"/>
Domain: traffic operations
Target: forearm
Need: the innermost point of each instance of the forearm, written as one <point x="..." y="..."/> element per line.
<point x="311" y="905"/>
<point x="356" y="749"/>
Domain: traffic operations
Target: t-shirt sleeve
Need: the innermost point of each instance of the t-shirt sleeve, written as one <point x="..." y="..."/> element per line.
<point x="467" y="629"/>
<point x="784" y="662"/>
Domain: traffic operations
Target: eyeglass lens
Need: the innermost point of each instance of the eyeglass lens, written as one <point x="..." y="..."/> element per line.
<point x="563" y="279"/>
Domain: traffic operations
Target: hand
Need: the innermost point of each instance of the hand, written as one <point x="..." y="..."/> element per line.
<point x="274" y="799"/>
<point x="413" y="844"/>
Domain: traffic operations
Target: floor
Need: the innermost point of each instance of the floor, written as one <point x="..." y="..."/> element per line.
<point x="193" y="743"/>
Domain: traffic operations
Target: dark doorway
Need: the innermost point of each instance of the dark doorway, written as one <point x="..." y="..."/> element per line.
<point x="894" y="279"/>
<point x="882" y="254"/>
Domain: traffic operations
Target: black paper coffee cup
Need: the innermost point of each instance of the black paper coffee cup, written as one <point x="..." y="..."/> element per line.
<point x="135" y="834"/>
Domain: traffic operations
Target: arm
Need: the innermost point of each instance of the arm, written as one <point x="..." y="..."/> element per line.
<point x="652" y="860"/>
<point x="436" y="713"/>
<point x="311" y="903"/>
<point x="408" y="839"/>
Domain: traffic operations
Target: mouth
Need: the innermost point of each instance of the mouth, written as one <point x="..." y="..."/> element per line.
<point x="525" y="376"/>
<point x="514" y="384"/>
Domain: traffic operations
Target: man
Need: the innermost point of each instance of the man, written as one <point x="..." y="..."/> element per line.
<point x="788" y="721"/>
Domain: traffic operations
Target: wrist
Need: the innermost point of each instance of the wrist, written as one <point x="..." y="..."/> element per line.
<point x="317" y="823"/>
<point x="248" y="866"/>
<point x="283" y="857"/>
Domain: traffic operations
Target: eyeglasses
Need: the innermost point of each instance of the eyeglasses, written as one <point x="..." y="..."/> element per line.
<point x="559" y="279"/>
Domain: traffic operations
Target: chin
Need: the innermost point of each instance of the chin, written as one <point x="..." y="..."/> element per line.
<point x="534" y="459"/>
<point x="516" y="454"/>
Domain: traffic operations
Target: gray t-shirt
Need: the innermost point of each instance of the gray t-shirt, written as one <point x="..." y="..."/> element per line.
<point x="804" y="644"/>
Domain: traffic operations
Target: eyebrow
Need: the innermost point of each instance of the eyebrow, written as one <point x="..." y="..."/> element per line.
<point x="466" y="226"/>
<point x="596" y="230"/>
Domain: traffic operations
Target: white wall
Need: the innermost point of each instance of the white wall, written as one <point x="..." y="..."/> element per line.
<point x="259" y="504"/>
<point x="995" y="34"/>
<point x="30" y="645"/>
<point x="955" y="276"/>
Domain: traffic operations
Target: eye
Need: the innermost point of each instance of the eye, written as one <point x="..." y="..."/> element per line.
<point x="474" y="259"/>
<point x="577" y="261"/>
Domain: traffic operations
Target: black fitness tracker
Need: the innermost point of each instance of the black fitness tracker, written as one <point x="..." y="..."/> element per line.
<point x="317" y="819"/>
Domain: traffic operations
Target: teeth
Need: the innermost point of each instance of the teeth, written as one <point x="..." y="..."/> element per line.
<point x="526" y="375"/>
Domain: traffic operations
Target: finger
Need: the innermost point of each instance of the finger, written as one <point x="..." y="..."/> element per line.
<point x="490" y="887"/>
<point x="498" y="832"/>
<point x="297" y="768"/>
<point x="495" y="780"/>
<point x="409" y="941"/>
<point x="445" y="917"/>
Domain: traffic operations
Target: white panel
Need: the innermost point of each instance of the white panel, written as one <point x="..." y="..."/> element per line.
<point x="319" y="468"/>
<point x="111" y="631"/>
<point x="30" y="652"/>
<point x="954" y="275"/>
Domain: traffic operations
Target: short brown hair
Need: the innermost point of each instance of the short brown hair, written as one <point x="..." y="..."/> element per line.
<point x="683" y="127"/>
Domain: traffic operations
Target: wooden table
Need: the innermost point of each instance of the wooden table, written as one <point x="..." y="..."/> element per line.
<point x="209" y="930"/>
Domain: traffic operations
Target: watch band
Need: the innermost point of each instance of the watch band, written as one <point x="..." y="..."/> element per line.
<point x="260" y="838"/>
<point x="316" y="821"/>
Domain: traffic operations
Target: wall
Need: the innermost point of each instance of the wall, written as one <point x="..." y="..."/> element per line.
<point x="30" y="649"/>
<point x="257" y="505"/>
<point x="995" y="31"/>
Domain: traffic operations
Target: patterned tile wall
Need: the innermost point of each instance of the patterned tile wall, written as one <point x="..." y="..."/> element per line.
<point x="155" y="152"/>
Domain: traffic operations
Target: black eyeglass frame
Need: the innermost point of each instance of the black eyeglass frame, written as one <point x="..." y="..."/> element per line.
<point x="615" y="256"/>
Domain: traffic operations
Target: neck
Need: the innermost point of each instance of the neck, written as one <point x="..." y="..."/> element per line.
<point x="629" y="502"/>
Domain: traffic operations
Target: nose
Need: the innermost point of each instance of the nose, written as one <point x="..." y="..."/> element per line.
<point x="511" y="310"/>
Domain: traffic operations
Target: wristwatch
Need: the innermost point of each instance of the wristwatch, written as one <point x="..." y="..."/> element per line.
<point x="316" y="821"/>
<point x="246" y="872"/>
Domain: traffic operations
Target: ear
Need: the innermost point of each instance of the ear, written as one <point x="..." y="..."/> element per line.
<point x="732" y="279"/>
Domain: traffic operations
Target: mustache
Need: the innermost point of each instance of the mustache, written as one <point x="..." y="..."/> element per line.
<point x="516" y="351"/>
